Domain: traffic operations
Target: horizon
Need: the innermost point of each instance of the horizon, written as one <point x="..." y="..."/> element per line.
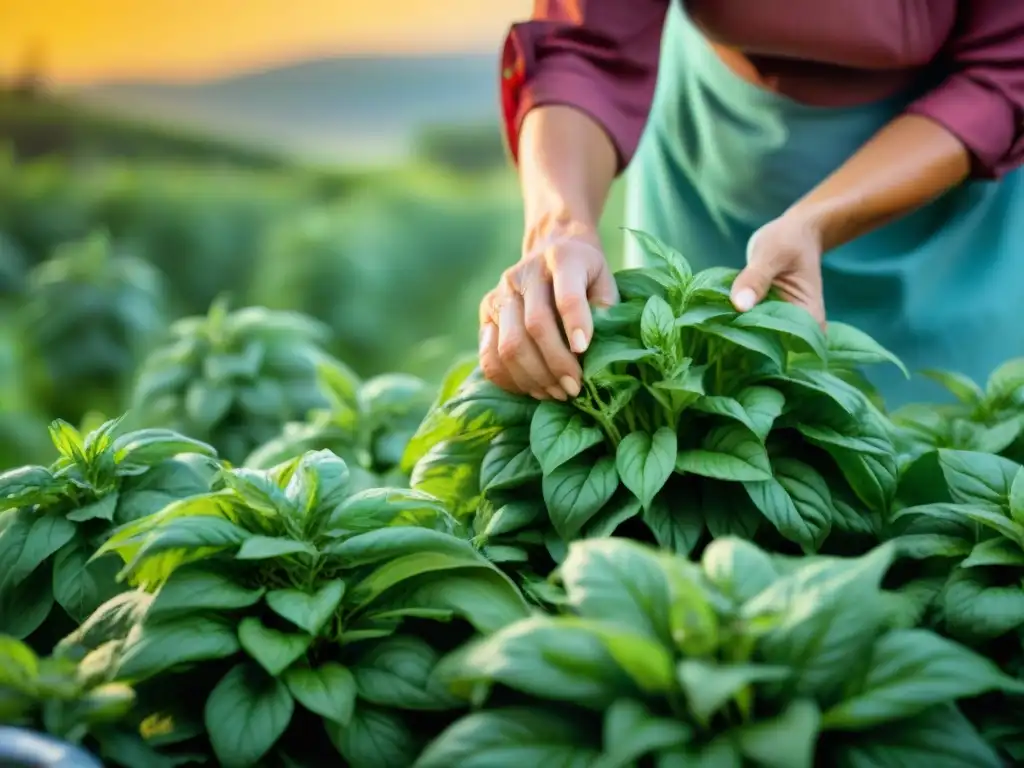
<point x="165" y="40"/>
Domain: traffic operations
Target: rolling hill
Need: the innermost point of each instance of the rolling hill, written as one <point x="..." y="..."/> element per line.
<point x="347" y="109"/>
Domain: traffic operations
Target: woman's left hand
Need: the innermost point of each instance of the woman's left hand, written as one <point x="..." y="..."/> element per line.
<point x="785" y="253"/>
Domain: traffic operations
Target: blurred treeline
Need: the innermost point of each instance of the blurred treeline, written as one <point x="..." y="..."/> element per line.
<point x="110" y="230"/>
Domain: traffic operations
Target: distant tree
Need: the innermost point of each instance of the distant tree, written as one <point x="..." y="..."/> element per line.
<point x="30" y="78"/>
<point x="462" y="148"/>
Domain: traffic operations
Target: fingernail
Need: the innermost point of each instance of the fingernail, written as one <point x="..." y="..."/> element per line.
<point x="570" y="385"/>
<point x="539" y="395"/>
<point x="745" y="300"/>
<point x="578" y="341"/>
<point x="556" y="393"/>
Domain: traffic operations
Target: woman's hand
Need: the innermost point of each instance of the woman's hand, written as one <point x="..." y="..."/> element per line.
<point x="537" y="320"/>
<point x="785" y="253"/>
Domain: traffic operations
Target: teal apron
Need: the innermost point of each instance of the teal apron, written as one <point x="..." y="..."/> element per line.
<point x="942" y="287"/>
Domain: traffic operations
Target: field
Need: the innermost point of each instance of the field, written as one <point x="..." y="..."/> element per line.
<point x="259" y="508"/>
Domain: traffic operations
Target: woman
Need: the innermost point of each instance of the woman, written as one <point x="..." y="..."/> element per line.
<point x="860" y="156"/>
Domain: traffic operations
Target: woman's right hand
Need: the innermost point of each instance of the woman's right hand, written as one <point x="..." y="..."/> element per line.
<point x="538" y="319"/>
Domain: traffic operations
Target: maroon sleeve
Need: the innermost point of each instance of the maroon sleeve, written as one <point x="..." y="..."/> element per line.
<point x="981" y="101"/>
<point x="599" y="56"/>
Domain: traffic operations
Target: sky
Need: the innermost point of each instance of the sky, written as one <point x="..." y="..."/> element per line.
<point x="88" y="40"/>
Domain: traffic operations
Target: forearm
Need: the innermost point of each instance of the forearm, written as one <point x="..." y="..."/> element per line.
<point x="567" y="164"/>
<point x="907" y="164"/>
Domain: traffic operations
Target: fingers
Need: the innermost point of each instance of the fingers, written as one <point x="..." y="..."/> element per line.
<point x="541" y="324"/>
<point x="490" y="361"/>
<point x="754" y="282"/>
<point x="580" y="277"/>
<point x="794" y="268"/>
<point x="518" y="352"/>
<point x="523" y="348"/>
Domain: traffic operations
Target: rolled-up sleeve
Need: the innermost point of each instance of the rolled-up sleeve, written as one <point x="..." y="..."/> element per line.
<point x="981" y="100"/>
<point x="598" y="56"/>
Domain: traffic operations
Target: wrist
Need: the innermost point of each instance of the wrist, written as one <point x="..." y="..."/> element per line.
<point x="555" y="223"/>
<point x="827" y="224"/>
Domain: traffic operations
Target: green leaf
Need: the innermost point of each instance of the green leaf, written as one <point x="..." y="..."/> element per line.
<point x="511" y="517"/>
<point x="192" y="589"/>
<point x="155" y="646"/>
<point x="207" y="403"/>
<point x="872" y="478"/>
<point x="274" y="651"/>
<point x="20" y="668"/>
<point x="396" y="672"/>
<point x="1006" y="380"/>
<point x="268" y="547"/>
<point x="245" y="714"/>
<point x="827" y="614"/>
<point x="147" y="447"/>
<point x="328" y="690"/>
<point x="68" y="442"/>
<point x="611" y="350"/>
<point x="797" y="502"/>
<point x="632" y="731"/>
<point x="910" y="671"/>
<point x="709" y="686"/>
<point x="46" y="535"/>
<point x="512" y="737"/>
<point x="559" y="433"/>
<point x="658" y="324"/>
<point x="577" y="490"/>
<point x="645" y="462"/>
<point x="939" y="738"/>
<point x="763" y="406"/>
<point x="258" y="490"/>
<point x="698" y="315"/>
<point x="101" y="509"/>
<point x="509" y="462"/>
<point x="639" y="283"/>
<point x="561" y="659"/>
<point x="728" y="453"/>
<point x="995" y="519"/>
<point x="994" y="552"/>
<point x="398" y="541"/>
<point x="961" y="387"/>
<point x="374" y="738"/>
<point x="619" y="581"/>
<point x="675" y="520"/>
<point x="849" y="346"/>
<point x="80" y="586"/>
<point x="662" y="252"/>
<point x="793" y="322"/>
<point x="787" y="741"/>
<point x="486" y="599"/>
<point x="766" y="346"/>
<point x="975" y="611"/>
<point x="375" y="508"/>
<point x="738" y="568"/>
<point x="978" y="477"/>
<point x="1016" y="500"/>
<point x="305" y="611"/>
<point x="411" y="566"/>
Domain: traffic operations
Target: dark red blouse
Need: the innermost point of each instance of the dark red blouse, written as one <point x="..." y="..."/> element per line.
<point x="601" y="56"/>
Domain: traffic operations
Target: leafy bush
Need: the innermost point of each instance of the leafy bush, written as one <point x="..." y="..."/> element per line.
<point x="989" y="419"/>
<point x="52" y="519"/>
<point x="368" y="425"/>
<point x="746" y="659"/>
<point x="90" y="313"/>
<point x="52" y="695"/>
<point x="234" y="379"/>
<point x="694" y="419"/>
<point x="285" y="589"/>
